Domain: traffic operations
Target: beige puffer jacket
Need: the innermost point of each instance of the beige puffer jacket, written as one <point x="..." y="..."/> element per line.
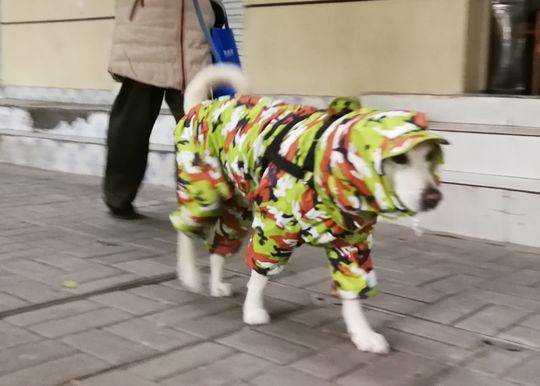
<point x="160" y="42"/>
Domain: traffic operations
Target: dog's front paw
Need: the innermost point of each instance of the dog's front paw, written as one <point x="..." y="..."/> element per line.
<point x="255" y="316"/>
<point x="221" y="289"/>
<point x="371" y="342"/>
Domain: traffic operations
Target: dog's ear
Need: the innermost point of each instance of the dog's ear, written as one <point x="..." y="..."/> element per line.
<point x="341" y="106"/>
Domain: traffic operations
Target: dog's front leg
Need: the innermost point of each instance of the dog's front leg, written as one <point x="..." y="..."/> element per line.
<point x="254" y="311"/>
<point x="186" y="265"/>
<point x="359" y="329"/>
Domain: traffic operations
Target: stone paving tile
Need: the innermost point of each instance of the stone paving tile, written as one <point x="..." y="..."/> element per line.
<point x="460" y="377"/>
<point x="484" y="269"/>
<point x="331" y="362"/>
<point x="421" y="294"/>
<point x="135" y="254"/>
<point x="179" y="361"/>
<point x="114" y="378"/>
<point x="525" y="373"/>
<point x="206" y="306"/>
<point x="305" y="278"/>
<point x="300" y="334"/>
<point x="532" y="293"/>
<point x="275" y="307"/>
<point x="286" y="376"/>
<point x="523" y="335"/>
<point x="13" y="336"/>
<point x="53" y="312"/>
<point x="55" y="372"/>
<point x="377" y="320"/>
<point x="210" y="326"/>
<point x="413" y="276"/>
<point x="506" y="299"/>
<point x="151" y="335"/>
<point x="108" y="347"/>
<point x="394" y="303"/>
<point x="101" y="284"/>
<point x="88" y="275"/>
<point x="454" y="284"/>
<point x="451" y="309"/>
<point x="314" y="317"/>
<point x="289" y="294"/>
<point x="67" y="263"/>
<point x="431" y="349"/>
<point x="396" y="369"/>
<point x="80" y="322"/>
<point x="31" y="269"/>
<point x="438" y="332"/>
<point x="129" y="302"/>
<point x="494" y="360"/>
<point x="9" y="302"/>
<point x="525" y="277"/>
<point x="31" y="354"/>
<point x="99" y="248"/>
<point x="492" y="319"/>
<point x="144" y="267"/>
<point x="265" y="346"/>
<point x="165" y="294"/>
<point x="227" y="371"/>
<point x="29" y="290"/>
<point x="532" y="322"/>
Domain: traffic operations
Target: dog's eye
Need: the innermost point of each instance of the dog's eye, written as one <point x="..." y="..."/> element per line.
<point x="401" y="159"/>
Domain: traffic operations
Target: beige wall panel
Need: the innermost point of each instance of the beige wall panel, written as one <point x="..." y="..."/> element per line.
<point x="349" y="48"/>
<point x="33" y="10"/>
<point x="65" y="54"/>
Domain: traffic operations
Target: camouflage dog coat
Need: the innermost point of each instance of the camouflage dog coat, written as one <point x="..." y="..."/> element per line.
<point x="295" y="175"/>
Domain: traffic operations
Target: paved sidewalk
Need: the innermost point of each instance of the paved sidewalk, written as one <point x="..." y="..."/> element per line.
<point x="88" y="300"/>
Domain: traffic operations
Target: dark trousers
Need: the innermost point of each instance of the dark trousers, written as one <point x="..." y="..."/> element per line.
<point x="132" y="118"/>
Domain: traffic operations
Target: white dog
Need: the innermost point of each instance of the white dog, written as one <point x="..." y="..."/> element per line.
<point x="346" y="182"/>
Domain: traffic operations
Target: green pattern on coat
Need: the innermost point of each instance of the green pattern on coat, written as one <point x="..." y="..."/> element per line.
<point x="225" y="182"/>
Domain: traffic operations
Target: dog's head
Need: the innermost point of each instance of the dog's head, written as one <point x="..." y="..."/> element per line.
<point x="412" y="177"/>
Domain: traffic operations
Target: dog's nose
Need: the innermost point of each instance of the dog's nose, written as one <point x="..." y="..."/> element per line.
<point x="430" y="198"/>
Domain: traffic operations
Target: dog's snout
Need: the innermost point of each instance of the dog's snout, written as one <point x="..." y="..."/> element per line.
<point x="430" y="198"/>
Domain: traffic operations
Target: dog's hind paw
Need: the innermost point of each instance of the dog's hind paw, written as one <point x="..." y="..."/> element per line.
<point x="371" y="342"/>
<point x="192" y="283"/>
<point x="221" y="289"/>
<point x="256" y="316"/>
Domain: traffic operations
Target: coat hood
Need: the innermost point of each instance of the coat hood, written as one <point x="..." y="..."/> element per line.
<point x="349" y="167"/>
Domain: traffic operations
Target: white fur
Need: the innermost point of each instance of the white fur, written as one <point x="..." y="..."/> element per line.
<point x="409" y="181"/>
<point x="186" y="265"/>
<point x="361" y="333"/>
<point x="222" y="74"/>
<point x="254" y="311"/>
<point x="188" y="272"/>
<point x="218" y="287"/>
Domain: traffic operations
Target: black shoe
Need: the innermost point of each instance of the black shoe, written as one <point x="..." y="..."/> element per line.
<point x="127" y="213"/>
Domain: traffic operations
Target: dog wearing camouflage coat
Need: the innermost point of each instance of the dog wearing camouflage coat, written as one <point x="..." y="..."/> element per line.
<point x="292" y="174"/>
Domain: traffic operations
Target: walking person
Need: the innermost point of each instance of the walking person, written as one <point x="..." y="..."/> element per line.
<point x="158" y="46"/>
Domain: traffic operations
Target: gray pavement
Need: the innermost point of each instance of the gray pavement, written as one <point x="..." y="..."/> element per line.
<point x="89" y="300"/>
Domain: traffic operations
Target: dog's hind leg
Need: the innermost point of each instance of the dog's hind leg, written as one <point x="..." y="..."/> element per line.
<point x="254" y="311"/>
<point x="229" y="230"/>
<point x="186" y="265"/>
<point x="218" y="287"/>
<point x="361" y="333"/>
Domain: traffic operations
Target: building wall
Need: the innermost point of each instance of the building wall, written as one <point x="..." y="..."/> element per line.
<point x="353" y="47"/>
<point x="56" y="43"/>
